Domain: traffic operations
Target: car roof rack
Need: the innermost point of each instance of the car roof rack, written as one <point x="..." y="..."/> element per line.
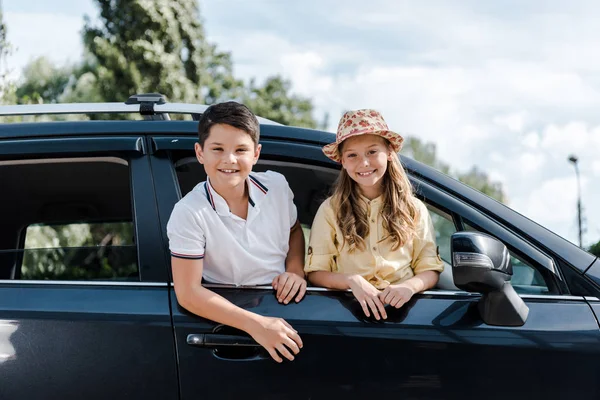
<point x="152" y="106"/>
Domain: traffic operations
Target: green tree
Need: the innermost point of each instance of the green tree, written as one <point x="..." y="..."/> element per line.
<point x="157" y="46"/>
<point x="43" y="82"/>
<point x="7" y="89"/>
<point x="424" y="152"/>
<point x="595" y="249"/>
<point x="476" y="178"/>
<point x="274" y="101"/>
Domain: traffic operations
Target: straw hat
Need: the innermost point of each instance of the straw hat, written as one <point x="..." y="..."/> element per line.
<point x="361" y="122"/>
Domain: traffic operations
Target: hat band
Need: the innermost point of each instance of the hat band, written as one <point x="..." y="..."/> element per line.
<point x="359" y="132"/>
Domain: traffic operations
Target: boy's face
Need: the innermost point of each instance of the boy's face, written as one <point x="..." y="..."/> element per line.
<point x="228" y="156"/>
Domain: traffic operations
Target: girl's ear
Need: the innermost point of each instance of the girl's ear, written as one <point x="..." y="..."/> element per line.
<point x="389" y="157"/>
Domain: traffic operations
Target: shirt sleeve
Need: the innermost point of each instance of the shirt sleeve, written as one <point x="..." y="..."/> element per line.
<point x="292" y="211"/>
<point x="425" y="251"/>
<point x="186" y="235"/>
<point x="284" y="187"/>
<point x="322" y="249"/>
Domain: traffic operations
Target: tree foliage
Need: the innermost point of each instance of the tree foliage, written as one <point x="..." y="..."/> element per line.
<point x="475" y="177"/>
<point x="157" y="46"/>
<point x="144" y="46"/>
<point x="595" y="249"/>
<point x="7" y="89"/>
<point x="274" y="101"/>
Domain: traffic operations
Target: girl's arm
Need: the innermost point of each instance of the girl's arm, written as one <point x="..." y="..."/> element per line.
<point x="366" y="294"/>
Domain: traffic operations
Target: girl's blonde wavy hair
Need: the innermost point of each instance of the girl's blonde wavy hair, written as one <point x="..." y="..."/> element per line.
<point x="399" y="211"/>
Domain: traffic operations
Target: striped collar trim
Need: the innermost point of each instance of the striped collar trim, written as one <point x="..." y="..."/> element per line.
<point x="256" y="192"/>
<point x="258" y="184"/>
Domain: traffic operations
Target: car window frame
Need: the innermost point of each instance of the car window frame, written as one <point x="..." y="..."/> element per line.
<point x="131" y="149"/>
<point x="290" y="153"/>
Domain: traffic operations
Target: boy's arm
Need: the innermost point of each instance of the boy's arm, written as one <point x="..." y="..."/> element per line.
<point x="292" y="282"/>
<point x="271" y="333"/>
<point x="294" y="261"/>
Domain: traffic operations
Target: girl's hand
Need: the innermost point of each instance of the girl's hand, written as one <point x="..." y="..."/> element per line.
<point x="367" y="296"/>
<point x="396" y="295"/>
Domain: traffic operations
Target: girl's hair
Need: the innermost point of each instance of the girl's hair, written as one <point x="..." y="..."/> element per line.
<point x="399" y="212"/>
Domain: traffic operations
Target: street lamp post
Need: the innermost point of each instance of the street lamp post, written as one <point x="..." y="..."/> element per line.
<point x="574" y="160"/>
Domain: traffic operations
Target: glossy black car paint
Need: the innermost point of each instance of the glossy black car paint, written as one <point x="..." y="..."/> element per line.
<point x="86" y="342"/>
<point x="436" y="347"/>
<point x="108" y="341"/>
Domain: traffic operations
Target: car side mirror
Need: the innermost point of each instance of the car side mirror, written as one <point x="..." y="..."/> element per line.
<point x="481" y="263"/>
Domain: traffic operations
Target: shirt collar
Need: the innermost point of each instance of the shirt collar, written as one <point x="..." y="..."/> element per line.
<point x="257" y="191"/>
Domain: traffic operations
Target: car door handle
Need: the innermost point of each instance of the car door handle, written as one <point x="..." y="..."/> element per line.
<point x="212" y="340"/>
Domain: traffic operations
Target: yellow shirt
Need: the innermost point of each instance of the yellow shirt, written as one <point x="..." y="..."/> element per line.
<point x="377" y="263"/>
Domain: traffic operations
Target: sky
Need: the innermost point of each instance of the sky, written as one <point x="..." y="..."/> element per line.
<point x="511" y="87"/>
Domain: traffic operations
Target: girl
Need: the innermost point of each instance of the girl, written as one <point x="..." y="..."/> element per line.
<point x="372" y="236"/>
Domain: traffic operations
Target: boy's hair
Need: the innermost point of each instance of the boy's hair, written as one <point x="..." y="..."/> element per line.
<point x="229" y="113"/>
<point x="399" y="211"/>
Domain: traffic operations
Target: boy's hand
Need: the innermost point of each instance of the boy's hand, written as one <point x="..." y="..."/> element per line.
<point x="289" y="285"/>
<point x="276" y="334"/>
<point x="396" y="295"/>
<point x="367" y="296"/>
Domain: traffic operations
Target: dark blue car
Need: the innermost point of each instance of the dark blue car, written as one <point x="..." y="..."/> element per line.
<point x="88" y="311"/>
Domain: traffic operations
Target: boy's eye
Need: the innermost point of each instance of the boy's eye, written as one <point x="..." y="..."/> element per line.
<point x="242" y="150"/>
<point x="217" y="149"/>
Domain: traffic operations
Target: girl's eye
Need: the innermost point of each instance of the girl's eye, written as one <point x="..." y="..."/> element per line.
<point x="351" y="155"/>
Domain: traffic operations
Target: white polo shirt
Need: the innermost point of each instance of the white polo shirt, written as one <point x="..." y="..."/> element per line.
<point x="236" y="251"/>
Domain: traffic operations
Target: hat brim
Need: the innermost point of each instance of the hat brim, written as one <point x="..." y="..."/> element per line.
<point x="396" y="140"/>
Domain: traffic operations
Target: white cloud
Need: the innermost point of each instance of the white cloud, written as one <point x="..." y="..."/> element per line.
<point x="531" y="140"/>
<point x="514" y="122"/>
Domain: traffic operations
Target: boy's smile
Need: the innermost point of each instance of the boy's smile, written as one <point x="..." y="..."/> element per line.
<point x="228" y="155"/>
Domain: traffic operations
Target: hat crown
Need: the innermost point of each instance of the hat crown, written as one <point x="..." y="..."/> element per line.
<point x="359" y="122"/>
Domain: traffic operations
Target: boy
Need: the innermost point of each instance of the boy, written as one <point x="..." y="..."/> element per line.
<point x="237" y="228"/>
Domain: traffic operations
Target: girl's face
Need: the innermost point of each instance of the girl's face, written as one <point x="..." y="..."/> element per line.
<point x="365" y="159"/>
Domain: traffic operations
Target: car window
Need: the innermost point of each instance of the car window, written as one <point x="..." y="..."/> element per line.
<point x="79" y="251"/>
<point x="444" y="228"/>
<point x="67" y="219"/>
<point x="526" y="277"/>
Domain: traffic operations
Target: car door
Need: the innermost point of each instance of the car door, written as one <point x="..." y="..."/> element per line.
<point x="84" y="304"/>
<point x="436" y="346"/>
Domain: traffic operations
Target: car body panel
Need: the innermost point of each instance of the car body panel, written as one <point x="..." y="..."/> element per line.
<point x="434" y="347"/>
<point x="79" y="341"/>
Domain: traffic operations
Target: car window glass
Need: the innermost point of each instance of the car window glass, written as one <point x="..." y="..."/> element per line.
<point x="526" y="278"/>
<point x="67" y="219"/>
<point x="444" y="228"/>
<point x="79" y="251"/>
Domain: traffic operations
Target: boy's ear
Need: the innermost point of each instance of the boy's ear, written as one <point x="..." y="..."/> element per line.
<point x="199" y="153"/>
<point x="257" y="153"/>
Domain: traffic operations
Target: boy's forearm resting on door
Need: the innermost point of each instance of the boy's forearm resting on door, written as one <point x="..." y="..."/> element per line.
<point x="294" y="261"/>
<point x="205" y="303"/>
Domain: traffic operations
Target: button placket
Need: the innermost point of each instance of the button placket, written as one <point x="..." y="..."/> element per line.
<point x="373" y="229"/>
